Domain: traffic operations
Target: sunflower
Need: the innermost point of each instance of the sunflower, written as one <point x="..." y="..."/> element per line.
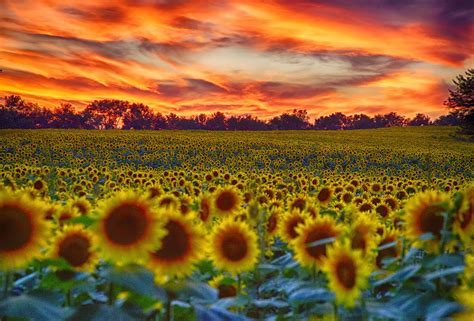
<point x="297" y="202"/>
<point x="324" y="196"/>
<point x="226" y="286"/>
<point x="272" y="223"/>
<point x="82" y="205"/>
<point x="362" y="233"/>
<point x="424" y="214"/>
<point x="288" y="224"/>
<point x="128" y="228"/>
<point x="205" y="208"/>
<point x="464" y="219"/>
<point x="226" y="200"/>
<point x="233" y="246"/>
<point x="383" y="210"/>
<point x="390" y="247"/>
<point x="314" y="230"/>
<point x="76" y="245"/>
<point x="347" y="273"/>
<point x="182" y="246"/>
<point x="23" y="229"/>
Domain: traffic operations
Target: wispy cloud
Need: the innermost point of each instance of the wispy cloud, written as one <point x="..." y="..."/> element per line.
<point x="242" y="56"/>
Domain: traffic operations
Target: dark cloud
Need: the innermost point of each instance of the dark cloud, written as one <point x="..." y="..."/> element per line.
<point x="102" y="14"/>
<point x="193" y="88"/>
<point x="183" y="22"/>
<point x="283" y="90"/>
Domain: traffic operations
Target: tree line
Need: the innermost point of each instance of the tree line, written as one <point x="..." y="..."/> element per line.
<point x="118" y="114"/>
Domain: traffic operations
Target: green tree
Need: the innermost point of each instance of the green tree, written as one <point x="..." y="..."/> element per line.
<point x="461" y="100"/>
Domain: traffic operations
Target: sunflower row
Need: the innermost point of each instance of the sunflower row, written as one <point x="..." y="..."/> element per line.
<point x="346" y="244"/>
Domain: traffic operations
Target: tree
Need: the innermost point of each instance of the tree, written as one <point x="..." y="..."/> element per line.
<point x="65" y="117"/>
<point x="297" y="120"/>
<point x="461" y="100"/>
<point x="106" y="113"/>
<point x="138" y="116"/>
<point x="360" y="121"/>
<point x="389" y="120"/>
<point x="216" y="121"/>
<point x="448" y="120"/>
<point x="334" y="121"/>
<point x="420" y="120"/>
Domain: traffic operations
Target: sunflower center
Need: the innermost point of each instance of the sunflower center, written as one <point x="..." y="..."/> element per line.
<point x="126" y="224"/>
<point x="15" y="228"/>
<point x="382" y="210"/>
<point x="432" y="221"/>
<point x="324" y="195"/>
<point x="226" y="291"/>
<point x="38" y="185"/>
<point x="75" y="249"/>
<point x="226" y="201"/>
<point x="317" y="234"/>
<point x="346" y="272"/>
<point x="234" y="247"/>
<point x="175" y="244"/>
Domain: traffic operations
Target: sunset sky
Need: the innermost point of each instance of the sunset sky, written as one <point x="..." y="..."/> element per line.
<point x="239" y="57"/>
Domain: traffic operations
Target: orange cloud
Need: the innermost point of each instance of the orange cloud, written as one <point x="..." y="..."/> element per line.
<point x="240" y="57"/>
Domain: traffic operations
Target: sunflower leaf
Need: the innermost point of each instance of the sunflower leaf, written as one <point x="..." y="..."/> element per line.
<point x="444" y="272"/>
<point x="135" y="278"/>
<point x="310" y="295"/>
<point x="35" y="306"/>
<point x="401" y="275"/>
<point x="321" y="242"/>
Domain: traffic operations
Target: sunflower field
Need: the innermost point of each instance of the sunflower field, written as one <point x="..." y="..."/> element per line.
<point x="196" y="225"/>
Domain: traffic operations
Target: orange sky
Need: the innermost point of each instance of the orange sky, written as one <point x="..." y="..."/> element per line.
<point x="239" y="57"/>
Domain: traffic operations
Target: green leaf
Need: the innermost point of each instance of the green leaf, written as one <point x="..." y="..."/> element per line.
<point x="198" y="290"/>
<point x="35" y="306"/>
<point x="401" y="275"/>
<point x="100" y="312"/>
<point x="444" y="272"/>
<point x="310" y="295"/>
<point x="85" y="220"/>
<point x="135" y="278"/>
<point x="440" y="309"/>
<point x="270" y="303"/>
<point x="321" y="242"/>
<point x="216" y="314"/>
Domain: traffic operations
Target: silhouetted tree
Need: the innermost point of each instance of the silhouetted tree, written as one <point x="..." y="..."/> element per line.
<point x="297" y="120"/>
<point x="419" y="120"/>
<point x="159" y="121"/>
<point x="216" y="121"/>
<point x="461" y="100"/>
<point x="389" y="120"/>
<point x="245" y="122"/>
<point x="448" y="120"/>
<point x="65" y="117"/>
<point x="334" y="121"/>
<point x="138" y="116"/>
<point x="106" y="113"/>
<point x="359" y="121"/>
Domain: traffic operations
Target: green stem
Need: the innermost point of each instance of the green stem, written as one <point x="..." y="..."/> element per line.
<point x="111" y="294"/>
<point x="6" y="284"/>
<point x="336" y="313"/>
<point x="68" y="298"/>
<point x="168" y="312"/>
